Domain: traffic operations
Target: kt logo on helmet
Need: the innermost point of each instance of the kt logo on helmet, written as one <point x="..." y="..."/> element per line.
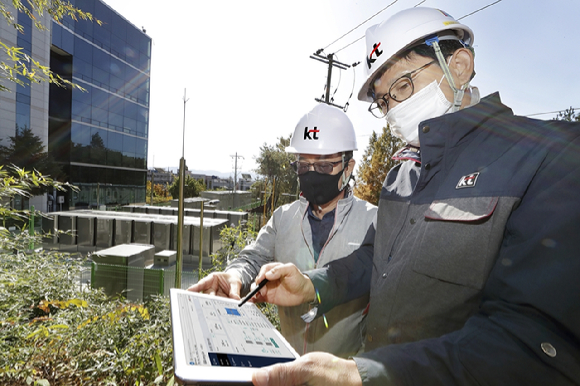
<point x="376" y="51"/>
<point x="313" y="131"/>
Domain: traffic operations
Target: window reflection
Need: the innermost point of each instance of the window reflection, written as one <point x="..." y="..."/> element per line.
<point x="109" y="125"/>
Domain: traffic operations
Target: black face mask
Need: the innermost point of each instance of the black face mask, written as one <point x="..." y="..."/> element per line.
<point x="319" y="188"/>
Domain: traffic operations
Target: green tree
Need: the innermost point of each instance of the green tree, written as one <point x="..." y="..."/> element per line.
<point x="376" y="162"/>
<point x="15" y="181"/>
<point x="191" y="188"/>
<point x="26" y="151"/>
<point x="18" y="66"/>
<point x="274" y="164"/>
<point x="568" y="115"/>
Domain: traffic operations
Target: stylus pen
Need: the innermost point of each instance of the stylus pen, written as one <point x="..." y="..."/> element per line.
<point x="253" y="292"/>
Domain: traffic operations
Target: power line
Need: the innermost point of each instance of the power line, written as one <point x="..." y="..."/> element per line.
<point x="350" y="44"/>
<point x="360" y="24"/>
<point x="480" y="9"/>
<point x="462" y="17"/>
<point x="552" y="112"/>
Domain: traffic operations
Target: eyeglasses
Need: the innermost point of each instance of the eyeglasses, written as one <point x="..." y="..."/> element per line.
<point x="400" y="90"/>
<point x="301" y="167"/>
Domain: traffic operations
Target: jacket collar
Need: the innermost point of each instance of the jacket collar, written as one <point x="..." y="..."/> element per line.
<point x="342" y="206"/>
<point x="451" y="132"/>
<point x="451" y="128"/>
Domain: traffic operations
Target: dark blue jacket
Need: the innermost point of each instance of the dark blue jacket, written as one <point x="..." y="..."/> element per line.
<point x="474" y="271"/>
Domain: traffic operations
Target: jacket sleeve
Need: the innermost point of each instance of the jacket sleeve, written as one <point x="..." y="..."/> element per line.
<point x="252" y="257"/>
<point x="527" y="330"/>
<point x="345" y="279"/>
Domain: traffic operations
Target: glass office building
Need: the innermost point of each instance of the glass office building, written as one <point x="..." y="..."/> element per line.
<point x="100" y="134"/>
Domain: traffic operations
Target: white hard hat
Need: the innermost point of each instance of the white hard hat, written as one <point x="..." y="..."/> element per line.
<point x="324" y="130"/>
<point x="404" y="30"/>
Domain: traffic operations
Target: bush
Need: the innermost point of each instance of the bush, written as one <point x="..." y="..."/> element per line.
<point x="53" y="331"/>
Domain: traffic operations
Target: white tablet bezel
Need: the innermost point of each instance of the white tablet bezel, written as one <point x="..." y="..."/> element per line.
<point x="221" y="375"/>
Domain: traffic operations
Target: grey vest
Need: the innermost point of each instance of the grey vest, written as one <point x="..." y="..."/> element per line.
<point x="287" y="238"/>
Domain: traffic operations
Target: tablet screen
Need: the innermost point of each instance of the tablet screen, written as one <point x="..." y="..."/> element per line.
<point x="216" y="332"/>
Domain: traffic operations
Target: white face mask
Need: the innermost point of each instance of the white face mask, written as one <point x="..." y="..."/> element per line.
<point x="404" y="118"/>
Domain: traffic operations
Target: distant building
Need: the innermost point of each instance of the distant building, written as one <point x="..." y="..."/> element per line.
<point x="228" y="200"/>
<point x="160" y="176"/>
<point x="217" y="183"/>
<point x="245" y="183"/>
<point x="99" y="136"/>
<point x="207" y="180"/>
<point x="222" y="183"/>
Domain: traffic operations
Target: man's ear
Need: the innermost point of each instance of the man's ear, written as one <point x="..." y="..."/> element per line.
<point x="350" y="166"/>
<point x="462" y="66"/>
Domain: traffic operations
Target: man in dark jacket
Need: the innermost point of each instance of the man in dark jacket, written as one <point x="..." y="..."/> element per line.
<point x="473" y="271"/>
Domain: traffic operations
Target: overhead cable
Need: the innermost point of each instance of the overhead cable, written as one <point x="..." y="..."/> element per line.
<point x="480" y="9"/>
<point x="350" y="44"/>
<point x="464" y="16"/>
<point x="361" y="24"/>
<point x="572" y="109"/>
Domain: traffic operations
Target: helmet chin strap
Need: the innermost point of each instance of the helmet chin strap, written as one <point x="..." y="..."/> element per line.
<point x="344" y="178"/>
<point x="457" y="92"/>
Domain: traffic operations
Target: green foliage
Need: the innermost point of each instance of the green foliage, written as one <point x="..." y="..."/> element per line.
<point x="568" y="115"/>
<point x="274" y="164"/>
<point x="375" y="165"/>
<point x="16" y="181"/>
<point x="191" y="188"/>
<point x="160" y="193"/>
<point x="234" y="239"/>
<point x="55" y="331"/>
<point x="19" y="65"/>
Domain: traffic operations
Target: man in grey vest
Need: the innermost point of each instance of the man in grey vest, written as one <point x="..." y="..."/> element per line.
<point x="326" y="223"/>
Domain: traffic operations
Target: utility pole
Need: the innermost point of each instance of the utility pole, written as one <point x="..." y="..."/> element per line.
<point x="235" y="177"/>
<point x="331" y="63"/>
<point x="152" y="182"/>
<point x="180" y="208"/>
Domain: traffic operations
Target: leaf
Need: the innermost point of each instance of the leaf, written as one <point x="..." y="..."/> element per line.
<point x="33" y="333"/>
<point x="171" y="381"/>
<point x="79" y="302"/>
<point x="158" y="363"/>
<point x="58" y="326"/>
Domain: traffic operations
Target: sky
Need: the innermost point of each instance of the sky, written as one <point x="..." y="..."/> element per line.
<point x="249" y="78"/>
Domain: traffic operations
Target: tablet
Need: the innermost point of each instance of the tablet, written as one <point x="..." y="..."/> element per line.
<point x="215" y="342"/>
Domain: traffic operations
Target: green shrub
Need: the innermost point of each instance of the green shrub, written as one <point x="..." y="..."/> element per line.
<point x="53" y="331"/>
